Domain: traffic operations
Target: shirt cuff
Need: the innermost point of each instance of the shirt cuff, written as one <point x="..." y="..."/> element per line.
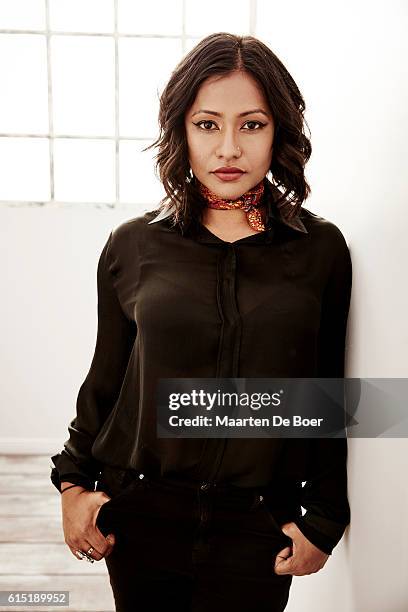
<point x="72" y="478"/>
<point x="66" y="470"/>
<point x="321" y="532"/>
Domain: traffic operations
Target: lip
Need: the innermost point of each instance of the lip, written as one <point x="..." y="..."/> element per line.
<point x="229" y="175"/>
<point x="228" y="169"/>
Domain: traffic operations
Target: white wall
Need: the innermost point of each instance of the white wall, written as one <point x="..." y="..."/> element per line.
<point x="349" y="62"/>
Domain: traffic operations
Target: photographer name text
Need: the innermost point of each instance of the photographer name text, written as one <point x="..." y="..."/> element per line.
<point x="225" y="421"/>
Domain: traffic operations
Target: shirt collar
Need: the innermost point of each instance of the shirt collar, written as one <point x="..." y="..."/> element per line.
<point x="272" y="212"/>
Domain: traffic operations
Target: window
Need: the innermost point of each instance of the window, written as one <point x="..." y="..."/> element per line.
<point x="80" y="93"/>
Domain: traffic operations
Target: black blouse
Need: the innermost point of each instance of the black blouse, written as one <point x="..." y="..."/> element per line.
<point x="175" y="305"/>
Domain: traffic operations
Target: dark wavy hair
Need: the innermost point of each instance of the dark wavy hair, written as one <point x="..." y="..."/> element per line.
<point x="220" y="54"/>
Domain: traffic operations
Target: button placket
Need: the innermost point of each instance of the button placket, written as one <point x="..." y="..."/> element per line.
<point x="204" y="499"/>
<point x="228" y="349"/>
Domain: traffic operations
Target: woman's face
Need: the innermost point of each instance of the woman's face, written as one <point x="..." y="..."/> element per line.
<point x="215" y="130"/>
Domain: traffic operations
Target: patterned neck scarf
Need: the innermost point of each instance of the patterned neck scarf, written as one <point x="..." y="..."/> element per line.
<point x="248" y="201"/>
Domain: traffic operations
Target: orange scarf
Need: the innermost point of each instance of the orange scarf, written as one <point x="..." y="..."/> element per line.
<point x="248" y="202"/>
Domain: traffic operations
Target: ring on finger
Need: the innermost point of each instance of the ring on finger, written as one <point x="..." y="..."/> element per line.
<point x="84" y="555"/>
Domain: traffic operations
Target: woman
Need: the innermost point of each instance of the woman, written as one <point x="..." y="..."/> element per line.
<point x="233" y="278"/>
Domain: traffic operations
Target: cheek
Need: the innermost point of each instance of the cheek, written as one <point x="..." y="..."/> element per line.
<point x="197" y="153"/>
<point x="260" y="157"/>
<point x="262" y="148"/>
<point x="191" y="142"/>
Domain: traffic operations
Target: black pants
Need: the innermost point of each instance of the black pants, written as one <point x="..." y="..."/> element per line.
<point x="183" y="546"/>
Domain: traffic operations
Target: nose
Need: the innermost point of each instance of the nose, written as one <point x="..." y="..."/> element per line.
<point x="227" y="145"/>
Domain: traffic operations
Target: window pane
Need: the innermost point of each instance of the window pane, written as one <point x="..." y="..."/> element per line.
<point x="82" y="15"/>
<point x="144" y="67"/>
<point x="84" y="170"/>
<point x="137" y="179"/>
<point x="23" y="75"/>
<point x="153" y="17"/>
<point x="25" y="169"/>
<point x="83" y="78"/>
<point x="216" y="16"/>
<point x="22" y="14"/>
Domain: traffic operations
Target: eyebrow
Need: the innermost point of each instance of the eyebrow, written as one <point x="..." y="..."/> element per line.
<point x="249" y="112"/>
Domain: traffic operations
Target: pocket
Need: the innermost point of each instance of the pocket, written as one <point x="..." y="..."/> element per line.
<point x="125" y="490"/>
<point x="117" y="495"/>
<point x="111" y="480"/>
<point x="118" y="486"/>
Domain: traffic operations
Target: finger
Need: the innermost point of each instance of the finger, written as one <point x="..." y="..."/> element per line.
<point x="80" y="553"/>
<point x="102" y="546"/>
<point x="109" y="543"/>
<point x="94" y="552"/>
<point x="74" y="551"/>
<point x="284" y="567"/>
<point x="104" y="549"/>
<point x="103" y="543"/>
<point x="285" y="552"/>
<point x="83" y="547"/>
<point x="99" y="540"/>
<point x="111" y="540"/>
<point x="284" y="561"/>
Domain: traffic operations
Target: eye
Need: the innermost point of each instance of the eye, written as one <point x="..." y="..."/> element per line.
<point x="207" y="121"/>
<point x="258" y="122"/>
<point x="198" y="124"/>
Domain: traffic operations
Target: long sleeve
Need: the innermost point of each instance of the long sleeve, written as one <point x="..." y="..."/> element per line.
<point x="99" y="391"/>
<point x="324" y="495"/>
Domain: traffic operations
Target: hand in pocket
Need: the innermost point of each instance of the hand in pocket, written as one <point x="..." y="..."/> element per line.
<point x="80" y="511"/>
